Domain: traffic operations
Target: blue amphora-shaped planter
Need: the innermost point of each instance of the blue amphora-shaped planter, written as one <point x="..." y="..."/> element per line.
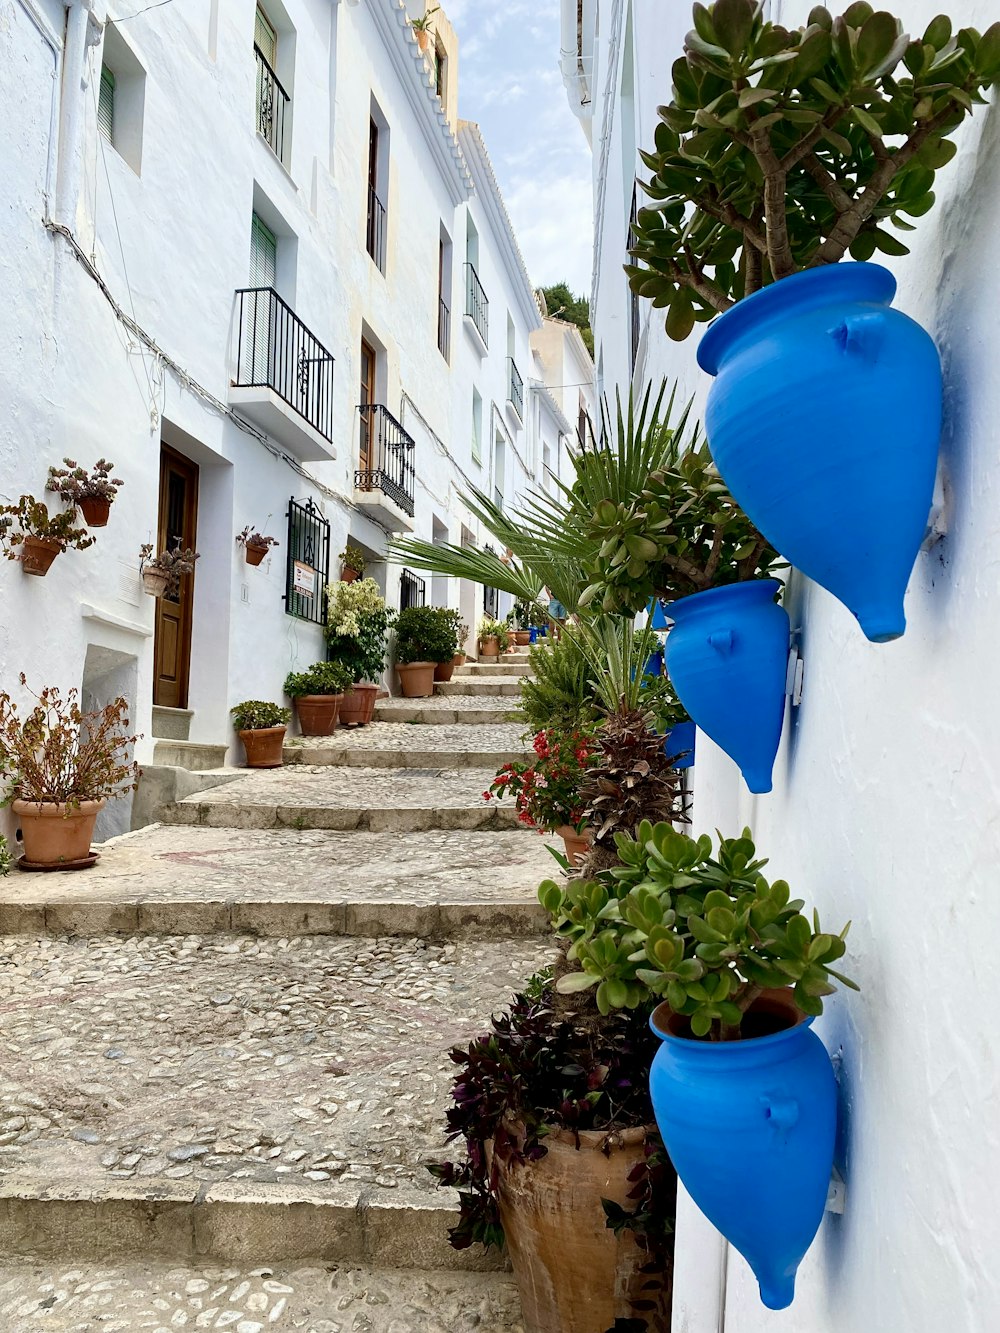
<point x="727" y="656"/>
<point x="750" y="1127"/>
<point x="824" y="420"/>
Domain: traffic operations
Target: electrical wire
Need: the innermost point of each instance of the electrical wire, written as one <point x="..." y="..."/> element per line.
<point x="128" y="17"/>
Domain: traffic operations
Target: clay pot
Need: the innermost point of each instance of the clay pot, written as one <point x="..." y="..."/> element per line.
<point x="263" y="746"/>
<point x="154" y="582"/>
<point x="55" y="833"/>
<point x="522" y="637"/>
<point x="37" y="554"/>
<point x="489" y="647"/>
<point x="458" y="660"/>
<point x="96" y="510"/>
<point x="573" y="1274"/>
<point x="318" y="713"/>
<point x="348" y="575"/>
<point x="416" y="679"/>
<point x="254" y="554"/>
<point x="358" y="705"/>
<point x="444" y="670"/>
<point x="577" y="844"/>
<point x="423" y="41"/>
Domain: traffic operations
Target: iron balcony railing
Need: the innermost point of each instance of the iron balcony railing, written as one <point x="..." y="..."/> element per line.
<point x="444" y="329"/>
<point x="375" y="239"/>
<point x="412" y="591"/>
<point x="275" y="350"/>
<point x="386" y="456"/>
<point x="477" y="305"/>
<point x="272" y="104"/>
<point x="515" y="388"/>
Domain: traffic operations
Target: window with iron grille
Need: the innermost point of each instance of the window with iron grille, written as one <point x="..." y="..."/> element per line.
<point x="106" y="105"/>
<point x="412" y="591"/>
<point x="307" y="557"/>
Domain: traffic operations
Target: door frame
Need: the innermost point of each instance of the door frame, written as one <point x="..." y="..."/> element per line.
<point x="172" y="458"/>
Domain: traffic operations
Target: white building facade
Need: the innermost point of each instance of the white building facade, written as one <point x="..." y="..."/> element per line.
<point x="885" y="791"/>
<point x="236" y="257"/>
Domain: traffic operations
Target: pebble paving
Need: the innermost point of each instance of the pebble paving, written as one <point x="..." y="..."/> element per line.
<point x="357" y="745"/>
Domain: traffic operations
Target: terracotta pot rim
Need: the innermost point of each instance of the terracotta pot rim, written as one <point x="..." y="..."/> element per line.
<point x="313" y="698"/>
<point x="596" y="1138"/>
<point x="406" y="666"/>
<point x="363" y="685"/>
<point x="56" y="809"/>
<point x="50" y="543"/>
<point x="262" y="731"/>
<point x="777" y="1001"/>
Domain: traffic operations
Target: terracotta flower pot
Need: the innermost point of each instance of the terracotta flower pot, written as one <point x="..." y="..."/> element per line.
<point x="95" y="509"/>
<point x="154" y="582"/>
<point x="254" y="554"/>
<point x="577" y="844"/>
<point x="348" y="575"/>
<point x="416" y="679"/>
<point x="573" y="1274"/>
<point x="458" y="660"/>
<point x="444" y="670"/>
<point x="263" y="746"/>
<point x="318" y="713"/>
<point x="55" y="833"/>
<point x="423" y="40"/>
<point x="523" y="637"/>
<point x="489" y="647"/>
<point x="37" y="554"/>
<point x="358" y="705"/>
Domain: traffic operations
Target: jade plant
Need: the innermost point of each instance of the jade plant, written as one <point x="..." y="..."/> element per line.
<point x="258" y="715"/>
<point x="705" y="933"/>
<point x="320" y="678"/>
<point x="783" y="149"/>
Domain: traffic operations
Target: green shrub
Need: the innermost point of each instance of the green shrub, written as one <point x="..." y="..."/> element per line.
<point x="424" y="634"/>
<point x="357" y="627"/>
<point x="256" y="714"/>
<point x="320" y="678"/>
<point x="561" y="693"/>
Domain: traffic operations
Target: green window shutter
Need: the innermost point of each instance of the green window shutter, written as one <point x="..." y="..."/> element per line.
<point x="263" y="254"/>
<point x="106" y="105"/>
<point x="265" y="37"/>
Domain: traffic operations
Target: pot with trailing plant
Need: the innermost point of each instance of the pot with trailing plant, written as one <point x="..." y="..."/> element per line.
<point x="357" y="628"/>
<point x="93" y="493"/>
<point x="62" y="766"/>
<point x="318" y="693"/>
<point x="492" y="636"/>
<point x="255" y="545"/>
<point x="161" y="574"/>
<point x="41" y="536"/>
<point x="352" y="563"/>
<point x="423" y="639"/>
<point x="744" y="1092"/>
<point x="780" y="153"/>
<point x="261" y="727"/>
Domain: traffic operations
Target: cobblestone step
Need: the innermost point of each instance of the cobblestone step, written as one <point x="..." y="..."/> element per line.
<point x="462" y="709"/>
<point x="236" y="1100"/>
<point x="280" y="883"/>
<point x="495" y="668"/>
<point x="497" y="687"/>
<point x="56" y="1297"/>
<point x="393" y="745"/>
<point x="397" y="800"/>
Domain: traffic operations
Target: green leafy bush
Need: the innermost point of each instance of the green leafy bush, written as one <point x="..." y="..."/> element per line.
<point x="358" y="623"/>
<point x="352" y="557"/>
<point x="424" y="634"/>
<point x="320" y="678"/>
<point x="559" y="692"/>
<point x="494" y="629"/>
<point x="257" y="714"/>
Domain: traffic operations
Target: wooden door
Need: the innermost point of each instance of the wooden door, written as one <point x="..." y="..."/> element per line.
<point x="367" y="449"/>
<point x="178" y="524"/>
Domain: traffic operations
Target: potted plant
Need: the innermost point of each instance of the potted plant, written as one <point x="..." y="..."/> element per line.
<point x="6" y="860"/>
<point x="492" y="637"/>
<point x="40" y="535"/>
<point x="423" y="639"/>
<point x="423" y="28"/>
<point x="62" y="765"/>
<point x="161" y="574"/>
<point x="318" y="693"/>
<point x="547" y="788"/>
<point x="92" y="493"/>
<point x="357" y="627"/>
<point x="562" y="1164"/>
<point x="744" y="1093"/>
<point x="461" y="639"/>
<point x="261" y="727"/>
<point x="522" y="621"/>
<point x="443" y="671"/>
<point x="255" y="545"/>
<point x="352" y="563"/>
<point x="772" y="162"/>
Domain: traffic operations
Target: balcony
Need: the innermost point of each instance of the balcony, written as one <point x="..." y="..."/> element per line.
<point x="384" y="481"/>
<point x="284" y="375"/>
<point x="444" y="329"/>
<point x="477" y="306"/>
<point x="375" y="234"/>
<point x="272" y="105"/>
<point x="515" y="388"/>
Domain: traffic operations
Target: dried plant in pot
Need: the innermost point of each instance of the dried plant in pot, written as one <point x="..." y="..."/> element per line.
<point x="61" y="766"/>
<point x="261" y="727"/>
<point x="41" y="536"/>
<point x="562" y="1166"/>
<point x="93" y="493"/>
<point x="318" y="693"/>
<point x="255" y="545"/>
<point x="161" y="574"/>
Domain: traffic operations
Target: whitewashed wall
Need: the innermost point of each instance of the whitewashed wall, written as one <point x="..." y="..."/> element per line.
<point x="884" y="808"/>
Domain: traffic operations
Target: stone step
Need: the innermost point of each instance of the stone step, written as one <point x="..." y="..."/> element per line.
<point x="390" y="745"/>
<point x="489" y="686"/>
<point x="196" y="756"/>
<point x="461" y="709"/>
<point x="473" y="669"/>
<point x="237" y="1100"/>
<point x="282" y="883"/>
<point x="396" y="800"/>
<point x="519" y="658"/>
<point x="60" y="1297"/>
<point x="172" y="724"/>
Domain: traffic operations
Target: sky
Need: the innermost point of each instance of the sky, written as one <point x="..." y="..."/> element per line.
<point x="510" y="84"/>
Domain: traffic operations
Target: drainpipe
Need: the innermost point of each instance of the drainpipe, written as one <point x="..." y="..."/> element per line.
<point x="54" y="43"/>
<point x="570" y="57"/>
<point x="83" y="30"/>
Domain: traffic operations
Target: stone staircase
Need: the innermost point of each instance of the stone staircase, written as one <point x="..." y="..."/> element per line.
<point x="227" y="1043"/>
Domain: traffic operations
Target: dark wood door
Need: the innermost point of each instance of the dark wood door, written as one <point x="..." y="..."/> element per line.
<point x="178" y="524"/>
<point x="367" y="406"/>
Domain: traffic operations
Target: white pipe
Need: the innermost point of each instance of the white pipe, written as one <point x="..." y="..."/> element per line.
<point x="570" y="57"/>
<point x="54" y="43"/>
<point x="71" y="112"/>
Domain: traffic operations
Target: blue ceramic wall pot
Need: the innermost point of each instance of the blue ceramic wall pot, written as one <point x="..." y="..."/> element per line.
<point x="680" y="741"/>
<point x="750" y="1127"/>
<point x="824" y="420"/>
<point x="727" y="656"/>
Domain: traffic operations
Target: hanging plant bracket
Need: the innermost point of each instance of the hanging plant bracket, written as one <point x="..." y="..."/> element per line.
<point x="836" y="1198"/>
<point x="793" y="677"/>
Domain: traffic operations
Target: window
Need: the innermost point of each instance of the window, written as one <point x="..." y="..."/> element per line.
<point x="106" y="105"/>
<point x="263" y="254"/>
<point x="272" y="100"/>
<point x="307" y="562"/>
<point x="477" y="427"/>
<point x="121" y="97"/>
<point x="444" y="295"/>
<point x="412" y="591"/>
<point x="367" y="404"/>
<point x="441" y="74"/>
<point x="378" y="182"/>
<point x="499" y="452"/>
